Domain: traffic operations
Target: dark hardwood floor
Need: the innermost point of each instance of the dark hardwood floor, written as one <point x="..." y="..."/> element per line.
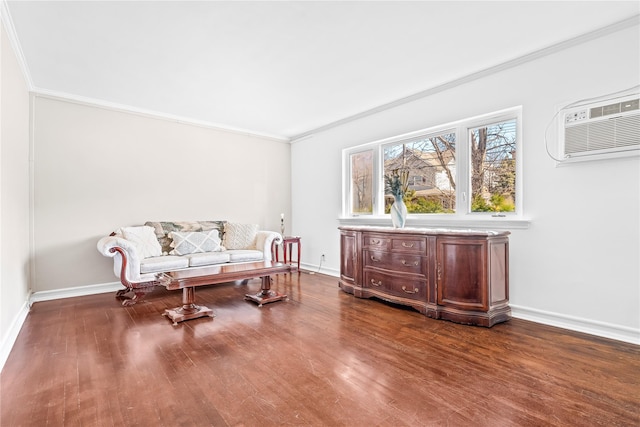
<point x="323" y="358"/>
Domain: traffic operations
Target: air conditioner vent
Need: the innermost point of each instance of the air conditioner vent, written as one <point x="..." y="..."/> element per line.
<point x="604" y="128"/>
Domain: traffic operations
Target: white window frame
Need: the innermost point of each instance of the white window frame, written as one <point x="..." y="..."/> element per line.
<point x="463" y="217"/>
<point x="348" y="194"/>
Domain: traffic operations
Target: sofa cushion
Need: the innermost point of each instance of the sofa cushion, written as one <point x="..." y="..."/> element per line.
<point x="192" y="242"/>
<point x="240" y="236"/>
<point x="163" y="228"/>
<point x="144" y="240"/>
<point x="163" y="263"/>
<point x="243" y="255"/>
<point x="208" y="258"/>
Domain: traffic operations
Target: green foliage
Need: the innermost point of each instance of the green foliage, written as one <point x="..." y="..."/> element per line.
<point x="421" y="204"/>
<point x="479" y="204"/>
<point x="496" y="203"/>
<point x="418" y="204"/>
<point x="506" y="178"/>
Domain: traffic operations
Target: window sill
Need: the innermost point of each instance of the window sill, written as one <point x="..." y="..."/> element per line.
<point x="484" y="222"/>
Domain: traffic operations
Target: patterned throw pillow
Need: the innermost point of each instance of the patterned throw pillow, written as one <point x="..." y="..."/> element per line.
<point x="192" y="242"/>
<point x="240" y="236"/>
<point x="144" y="239"/>
<point x="163" y="228"/>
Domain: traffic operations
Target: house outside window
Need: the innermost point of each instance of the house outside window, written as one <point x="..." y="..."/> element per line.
<point x="430" y="162"/>
<point x="469" y="168"/>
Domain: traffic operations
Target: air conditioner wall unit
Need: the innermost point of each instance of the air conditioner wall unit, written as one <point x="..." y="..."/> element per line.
<point x="604" y="129"/>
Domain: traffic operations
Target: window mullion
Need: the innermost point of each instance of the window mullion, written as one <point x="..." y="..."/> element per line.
<point x="462" y="171"/>
<point x="379" y="183"/>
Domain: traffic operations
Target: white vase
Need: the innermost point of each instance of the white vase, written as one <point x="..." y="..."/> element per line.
<point x="398" y="212"/>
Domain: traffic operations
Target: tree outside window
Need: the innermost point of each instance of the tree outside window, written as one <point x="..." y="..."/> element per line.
<point x="493" y="167"/>
<point x="362" y="182"/>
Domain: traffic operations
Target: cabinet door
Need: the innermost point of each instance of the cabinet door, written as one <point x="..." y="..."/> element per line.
<point x="348" y="253"/>
<point x="461" y="273"/>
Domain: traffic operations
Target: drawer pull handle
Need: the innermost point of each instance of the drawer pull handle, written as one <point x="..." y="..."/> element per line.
<point x="414" y="291"/>
<point x="407" y="245"/>
<point x="373" y="282"/>
<point x="374" y="258"/>
<point x="375" y="241"/>
<point x="409" y="264"/>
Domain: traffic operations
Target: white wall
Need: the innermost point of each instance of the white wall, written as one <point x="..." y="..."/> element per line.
<point x="14" y="197"/>
<point x="577" y="264"/>
<point x="98" y="169"/>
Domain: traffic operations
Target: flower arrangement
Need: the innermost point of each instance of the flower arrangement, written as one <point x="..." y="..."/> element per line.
<point x="396" y="183"/>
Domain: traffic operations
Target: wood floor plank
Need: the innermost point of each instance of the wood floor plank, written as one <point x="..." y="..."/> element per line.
<point x="322" y="358"/>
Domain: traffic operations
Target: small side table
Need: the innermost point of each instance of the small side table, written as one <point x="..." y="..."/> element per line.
<point x="287" y="249"/>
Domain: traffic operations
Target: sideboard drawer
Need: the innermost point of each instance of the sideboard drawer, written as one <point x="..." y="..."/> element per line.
<point x="375" y="241"/>
<point x="412" y="287"/>
<point x="405" y="263"/>
<point x="408" y="244"/>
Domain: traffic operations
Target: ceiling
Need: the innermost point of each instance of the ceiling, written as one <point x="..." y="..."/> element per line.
<point x="281" y="68"/>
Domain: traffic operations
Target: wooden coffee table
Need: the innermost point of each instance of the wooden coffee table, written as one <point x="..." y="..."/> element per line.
<point x="189" y="279"/>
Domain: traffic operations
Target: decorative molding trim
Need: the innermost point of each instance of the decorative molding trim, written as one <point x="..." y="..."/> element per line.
<point x="313" y="268"/>
<point x="12" y="334"/>
<point x="5" y="15"/>
<point x="98" y="103"/>
<point x="540" y="53"/>
<point x="578" y="324"/>
<point x="7" y="22"/>
<point x="74" y="292"/>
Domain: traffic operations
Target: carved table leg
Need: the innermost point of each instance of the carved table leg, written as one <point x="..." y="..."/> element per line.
<point x="189" y="309"/>
<point x="266" y="295"/>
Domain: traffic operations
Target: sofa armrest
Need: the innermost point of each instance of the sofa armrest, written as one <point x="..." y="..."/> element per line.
<point x="264" y="242"/>
<point x="126" y="260"/>
<point x="107" y="243"/>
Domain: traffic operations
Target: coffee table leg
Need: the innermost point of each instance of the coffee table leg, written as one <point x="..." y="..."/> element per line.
<point x="266" y="295"/>
<point x="189" y="309"/>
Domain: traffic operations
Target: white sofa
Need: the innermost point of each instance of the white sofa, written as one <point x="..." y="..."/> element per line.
<point x="142" y="253"/>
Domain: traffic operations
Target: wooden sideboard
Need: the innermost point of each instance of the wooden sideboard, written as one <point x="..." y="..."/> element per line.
<point x="456" y="275"/>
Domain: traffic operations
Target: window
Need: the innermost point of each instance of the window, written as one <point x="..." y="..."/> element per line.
<point x="430" y="164"/>
<point x="362" y="182"/>
<point x="459" y="170"/>
<point x="493" y="167"/>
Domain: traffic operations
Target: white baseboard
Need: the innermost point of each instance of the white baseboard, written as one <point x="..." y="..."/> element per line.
<point x="12" y="334"/>
<point x="572" y="323"/>
<point x="310" y="268"/>
<point x="578" y="324"/>
<point x="75" y="292"/>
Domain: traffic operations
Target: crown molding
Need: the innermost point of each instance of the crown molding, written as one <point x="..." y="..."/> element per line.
<point x="549" y="50"/>
<point x="7" y="23"/>
<point x="99" y="103"/>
